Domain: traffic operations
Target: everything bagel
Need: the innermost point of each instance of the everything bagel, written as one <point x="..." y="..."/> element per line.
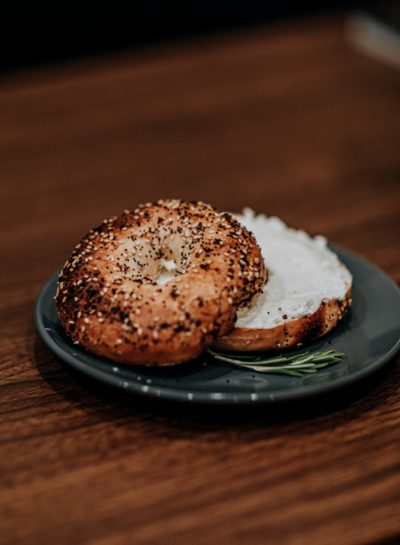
<point x="110" y="298"/>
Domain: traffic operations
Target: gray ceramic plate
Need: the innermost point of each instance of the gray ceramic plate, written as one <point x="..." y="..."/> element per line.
<point x="369" y="336"/>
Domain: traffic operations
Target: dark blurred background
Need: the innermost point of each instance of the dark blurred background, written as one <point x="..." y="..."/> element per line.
<point x="34" y="33"/>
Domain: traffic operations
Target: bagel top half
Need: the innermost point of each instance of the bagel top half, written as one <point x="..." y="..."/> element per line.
<point x="111" y="299"/>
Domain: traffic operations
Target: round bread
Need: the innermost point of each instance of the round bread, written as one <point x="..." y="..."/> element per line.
<point x="118" y="297"/>
<point x="307" y="294"/>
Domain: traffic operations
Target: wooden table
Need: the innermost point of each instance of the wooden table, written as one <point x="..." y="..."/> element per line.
<point x="289" y="120"/>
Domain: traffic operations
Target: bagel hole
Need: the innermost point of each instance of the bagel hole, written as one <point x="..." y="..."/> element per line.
<point x="167" y="272"/>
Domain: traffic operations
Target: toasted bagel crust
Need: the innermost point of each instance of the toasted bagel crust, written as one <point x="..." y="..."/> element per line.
<point x="110" y="302"/>
<point x="295" y="332"/>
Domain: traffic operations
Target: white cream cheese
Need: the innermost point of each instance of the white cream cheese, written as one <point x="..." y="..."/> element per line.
<point x="302" y="273"/>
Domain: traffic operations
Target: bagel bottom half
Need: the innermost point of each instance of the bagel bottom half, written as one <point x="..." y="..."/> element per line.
<point x="307" y="294"/>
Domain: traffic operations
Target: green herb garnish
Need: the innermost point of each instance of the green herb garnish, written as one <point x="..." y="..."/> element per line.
<point x="296" y="365"/>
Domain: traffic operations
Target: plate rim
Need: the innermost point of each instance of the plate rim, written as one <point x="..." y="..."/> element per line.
<point x="218" y="398"/>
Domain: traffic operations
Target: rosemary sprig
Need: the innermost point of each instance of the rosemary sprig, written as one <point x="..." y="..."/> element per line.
<point x="296" y="365"/>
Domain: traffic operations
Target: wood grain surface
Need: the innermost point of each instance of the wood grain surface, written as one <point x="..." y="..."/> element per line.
<point x="289" y="120"/>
